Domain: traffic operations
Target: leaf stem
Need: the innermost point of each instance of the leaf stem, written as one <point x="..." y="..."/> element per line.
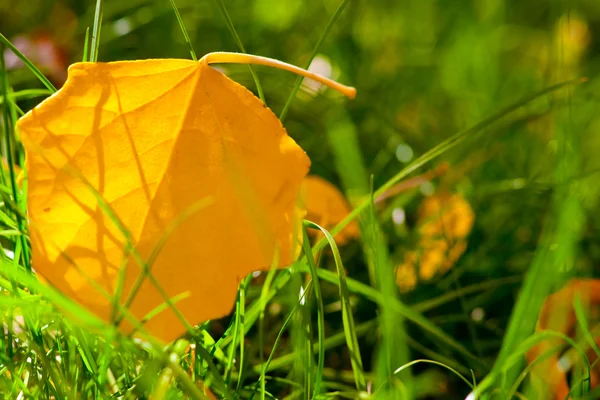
<point x="240" y="58"/>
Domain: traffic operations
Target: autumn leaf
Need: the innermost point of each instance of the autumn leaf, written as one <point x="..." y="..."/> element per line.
<point x="168" y="164"/>
<point x="558" y="315"/>
<point x="445" y="215"/>
<point x="444" y="222"/>
<point x="327" y="206"/>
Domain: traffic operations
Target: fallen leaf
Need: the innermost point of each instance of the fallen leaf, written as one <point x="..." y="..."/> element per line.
<point x="444" y="222"/>
<point x="558" y="315"/>
<point x="327" y="206"/>
<point x="445" y="215"/>
<point x="406" y="275"/>
<point x="193" y="172"/>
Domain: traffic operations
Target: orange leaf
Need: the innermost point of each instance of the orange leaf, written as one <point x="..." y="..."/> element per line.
<point x="326" y="206"/>
<point x="445" y="215"/>
<point x="558" y="315"/>
<point x="445" y="220"/>
<point x="158" y="140"/>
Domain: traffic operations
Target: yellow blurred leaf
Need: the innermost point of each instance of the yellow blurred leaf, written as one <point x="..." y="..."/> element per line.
<point x="201" y="174"/>
<point x="444" y="222"/>
<point x="445" y="215"/>
<point x="327" y="206"/>
<point x="406" y="275"/>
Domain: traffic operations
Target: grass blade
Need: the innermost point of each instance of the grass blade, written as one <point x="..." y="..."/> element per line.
<point x="25" y="94"/>
<point x="266" y="367"/>
<point x="431" y="304"/>
<point x="96" y="31"/>
<point x="393" y="350"/>
<point x="410" y="364"/>
<point x="235" y="327"/>
<point x="406" y="311"/>
<point x="86" y="44"/>
<point x="349" y="328"/>
<point x="261" y="328"/>
<point x="183" y="30"/>
<point x="238" y="41"/>
<point x="38" y="74"/>
<point x="299" y="80"/>
<point x="339" y="339"/>
<point x="242" y="311"/>
<point x="320" y="312"/>
<point x="9" y="140"/>
<point x="583" y="324"/>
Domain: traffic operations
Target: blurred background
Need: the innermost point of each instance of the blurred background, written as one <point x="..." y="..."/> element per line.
<point x="424" y="70"/>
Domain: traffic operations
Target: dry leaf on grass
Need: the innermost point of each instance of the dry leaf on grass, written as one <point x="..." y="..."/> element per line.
<point x="558" y="315"/>
<point x="445" y="220"/>
<point x="158" y="140"/>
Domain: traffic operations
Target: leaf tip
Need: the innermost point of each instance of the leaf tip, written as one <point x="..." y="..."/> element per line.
<point x="350" y="92"/>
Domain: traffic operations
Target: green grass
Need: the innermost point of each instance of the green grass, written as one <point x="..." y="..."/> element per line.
<point x="460" y="83"/>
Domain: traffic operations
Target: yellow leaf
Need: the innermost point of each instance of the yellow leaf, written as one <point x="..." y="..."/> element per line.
<point x="406" y="276"/>
<point x="444" y="222"/>
<point x="200" y="173"/>
<point x="445" y="215"/>
<point x="327" y="206"/>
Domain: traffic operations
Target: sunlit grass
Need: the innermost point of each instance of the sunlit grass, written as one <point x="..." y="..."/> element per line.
<point x="279" y="342"/>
